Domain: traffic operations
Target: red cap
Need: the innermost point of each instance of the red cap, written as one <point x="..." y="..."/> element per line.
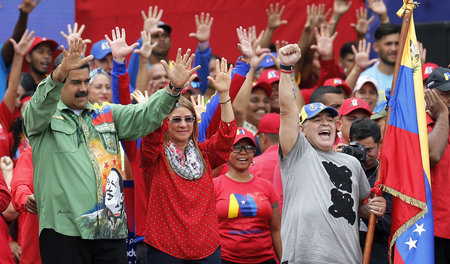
<point x="266" y="79"/>
<point x="244" y="133"/>
<point x="351" y="104"/>
<point x="269" y="123"/>
<point x="427" y="68"/>
<point x="38" y="40"/>
<point x="338" y="82"/>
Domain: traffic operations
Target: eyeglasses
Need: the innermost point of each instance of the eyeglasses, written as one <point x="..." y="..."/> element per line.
<point x="248" y="149"/>
<point x="177" y="119"/>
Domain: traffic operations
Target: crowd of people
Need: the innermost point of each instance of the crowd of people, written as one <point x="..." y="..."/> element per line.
<point x="269" y="159"/>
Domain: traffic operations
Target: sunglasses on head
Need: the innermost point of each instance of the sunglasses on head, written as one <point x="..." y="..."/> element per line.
<point x="177" y="119"/>
<point x="248" y="149"/>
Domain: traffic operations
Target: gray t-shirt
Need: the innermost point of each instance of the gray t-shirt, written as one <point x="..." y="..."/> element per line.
<point x="322" y="192"/>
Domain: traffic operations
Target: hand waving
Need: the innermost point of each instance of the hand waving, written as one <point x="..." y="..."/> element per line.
<point x="362" y="55"/>
<point x="249" y="44"/>
<point x="362" y="23"/>
<point x="340" y="7"/>
<point x="274" y="16"/>
<point x="223" y="77"/>
<point x="377" y="6"/>
<point x="146" y="48"/>
<point x="181" y="72"/>
<point x="139" y="97"/>
<point x="203" y="25"/>
<point x="199" y="106"/>
<point x="72" y="58"/>
<point x="28" y="5"/>
<point x="152" y="19"/>
<point x="324" y="40"/>
<point x="24" y="44"/>
<point x="289" y="54"/>
<point x="119" y="47"/>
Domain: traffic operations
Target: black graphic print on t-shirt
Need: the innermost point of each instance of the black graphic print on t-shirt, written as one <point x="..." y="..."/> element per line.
<point x="341" y="195"/>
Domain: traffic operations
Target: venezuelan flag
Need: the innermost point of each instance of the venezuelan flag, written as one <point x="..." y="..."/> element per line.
<point x="404" y="167"/>
<point x="242" y="206"/>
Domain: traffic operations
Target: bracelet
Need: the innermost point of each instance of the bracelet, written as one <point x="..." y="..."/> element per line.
<point x="229" y="99"/>
<point x="203" y="45"/>
<point x="288" y="72"/>
<point x="286" y="68"/>
<point x="176" y="89"/>
<point x="173" y="95"/>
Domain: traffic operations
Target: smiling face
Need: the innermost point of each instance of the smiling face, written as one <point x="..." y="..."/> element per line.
<point x="100" y="90"/>
<point x="387" y="48"/>
<point x="320" y="131"/>
<point x="368" y="93"/>
<point x="241" y="161"/>
<point x="258" y="106"/>
<point x="180" y="133"/>
<point x="74" y="93"/>
<point x="113" y="193"/>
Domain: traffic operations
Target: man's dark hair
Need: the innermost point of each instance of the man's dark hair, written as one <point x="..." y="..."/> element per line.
<point x="214" y="57"/>
<point x="363" y="128"/>
<point x="317" y="95"/>
<point x="275" y="138"/>
<point x="347" y="48"/>
<point x="386" y="29"/>
<point x="60" y="58"/>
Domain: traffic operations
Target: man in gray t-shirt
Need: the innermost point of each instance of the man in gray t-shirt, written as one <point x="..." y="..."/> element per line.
<point x="323" y="190"/>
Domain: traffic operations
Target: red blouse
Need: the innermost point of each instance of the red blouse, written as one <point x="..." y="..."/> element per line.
<point x="181" y="214"/>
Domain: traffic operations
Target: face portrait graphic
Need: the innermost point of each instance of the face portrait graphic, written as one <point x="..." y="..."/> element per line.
<point x="114" y="193"/>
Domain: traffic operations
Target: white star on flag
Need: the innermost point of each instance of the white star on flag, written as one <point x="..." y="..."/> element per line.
<point x="419" y="229"/>
<point x="242" y="202"/>
<point x="411" y="243"/>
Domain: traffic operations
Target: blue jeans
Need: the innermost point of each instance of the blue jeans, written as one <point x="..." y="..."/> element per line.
<point x="156" y="256"/>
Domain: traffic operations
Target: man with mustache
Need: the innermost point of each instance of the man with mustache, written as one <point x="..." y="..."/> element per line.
<point x="76" y="146"/>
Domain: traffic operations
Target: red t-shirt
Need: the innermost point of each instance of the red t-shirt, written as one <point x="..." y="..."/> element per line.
<point x="181" y="216"/>
<point x="244" y="210"/>
<point x="440" y="190"/>
<point x="264" y="164"/>
<point x="278" y="185"/>
<point x="21" y="188"/>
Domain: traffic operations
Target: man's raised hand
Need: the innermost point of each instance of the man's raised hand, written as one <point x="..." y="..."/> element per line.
<point x="289" y="54"/>
<point x="24" y="44"/>
<point x="223" y="77"/>
<point x="152" y="19"/>
<point x="147" y="46"/>
<point x="203" y="24"/>
<point x="72" y="59"/>
<point x="182" y="71"/>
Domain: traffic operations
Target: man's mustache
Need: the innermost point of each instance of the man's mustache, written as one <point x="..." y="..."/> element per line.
<point x="81" y="94"/>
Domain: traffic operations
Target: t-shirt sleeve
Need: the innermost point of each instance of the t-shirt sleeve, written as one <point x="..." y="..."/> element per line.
<point x="296" y="152"/>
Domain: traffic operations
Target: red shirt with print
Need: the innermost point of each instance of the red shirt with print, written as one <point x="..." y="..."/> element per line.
<point x="244" y="210"/>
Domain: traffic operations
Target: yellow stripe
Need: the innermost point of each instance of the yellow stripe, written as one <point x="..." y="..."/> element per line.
<point x="233" y="209"/>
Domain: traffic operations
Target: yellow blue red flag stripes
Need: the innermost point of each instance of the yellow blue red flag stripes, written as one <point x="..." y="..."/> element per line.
<point x="405" y="169"/>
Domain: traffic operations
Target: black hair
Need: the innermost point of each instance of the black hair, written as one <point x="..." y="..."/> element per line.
<point x="386" y="29"/>
<point x="363" y="128"/>
<point x="120" y="179"/>
<point x="16" y="127"/>
<point x="275" y="138"/>
<point x="319" y="92"/>
<point x="347" y="48"/>
<point x="60" y="58"/>
<point x="214" y="57"/>
<point x="27" y="82"/>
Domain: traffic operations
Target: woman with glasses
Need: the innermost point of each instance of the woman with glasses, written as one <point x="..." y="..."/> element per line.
<point x="247" y="209"/>
<point x="181" y="224"/>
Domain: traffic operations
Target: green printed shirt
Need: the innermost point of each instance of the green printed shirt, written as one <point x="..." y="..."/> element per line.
<point x="77" y="169"/>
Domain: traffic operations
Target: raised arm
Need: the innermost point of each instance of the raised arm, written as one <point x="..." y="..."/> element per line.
<point x="361" y="62"/>
<point x="252" y="53"/>
<point x="273" y="22"/>
<point x="203" y="53"/>
<point x="144" y="53"/>
<point x="340" y="7"/>
<point x="379" y="8"/>
<point x="20" y="49"/>
<point x="289" y="124"/>
<point x="25" y="9"/>
<point x="222" y="85"/>
<point x="42" y="106"/>
<point x="75" y="33"/>
<point x="362" y="23"/>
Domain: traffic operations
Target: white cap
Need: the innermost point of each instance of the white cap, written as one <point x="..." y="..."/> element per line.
<point x="362" y="80"/>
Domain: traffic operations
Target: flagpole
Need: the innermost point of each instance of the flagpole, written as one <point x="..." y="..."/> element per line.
<point x="404" y="31"/>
